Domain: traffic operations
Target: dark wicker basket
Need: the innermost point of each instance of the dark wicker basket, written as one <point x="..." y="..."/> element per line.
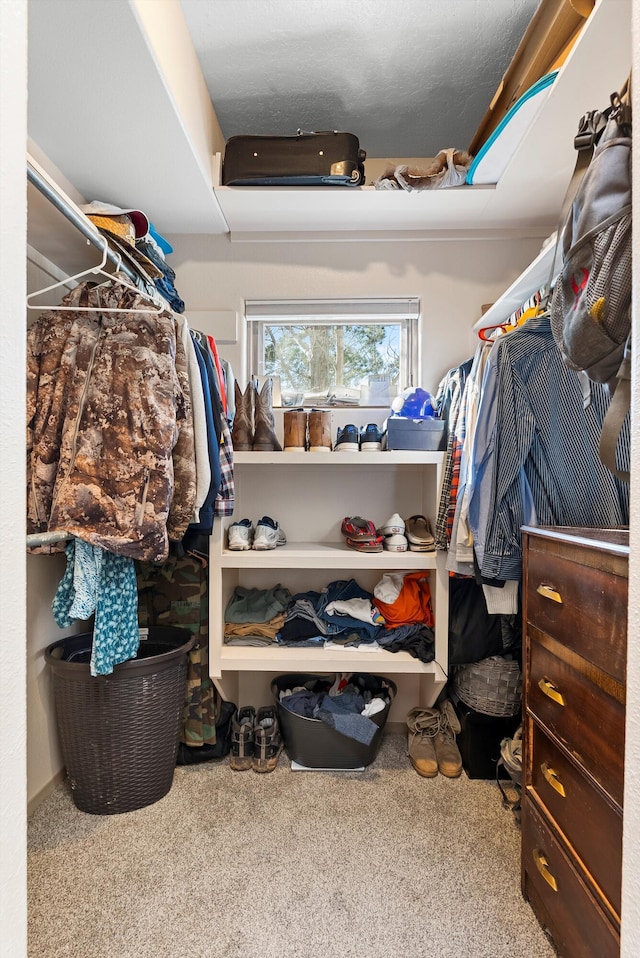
<point x="119" y="733"/>
<point x="492" y="686"/>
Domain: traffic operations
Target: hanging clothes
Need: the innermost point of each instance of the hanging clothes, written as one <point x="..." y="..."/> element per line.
<point x="176" y="594"/>
<point x="109" y="424"/>
<point x="535" y="458"/>
<point x="98" y="581"/>
<point x="201" y="447"/>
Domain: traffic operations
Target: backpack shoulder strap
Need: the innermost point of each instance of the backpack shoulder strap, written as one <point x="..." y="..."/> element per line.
<point x="616" y="413"/>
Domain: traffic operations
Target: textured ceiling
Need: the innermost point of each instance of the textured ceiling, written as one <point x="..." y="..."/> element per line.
<point x="408" y="77"/>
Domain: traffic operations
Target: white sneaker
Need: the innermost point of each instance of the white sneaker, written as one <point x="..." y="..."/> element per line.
<point x="240" y="535"/>
<point x="268" y="534"/>
<point x="395" y="543"/>
<point x="393" y="526"/>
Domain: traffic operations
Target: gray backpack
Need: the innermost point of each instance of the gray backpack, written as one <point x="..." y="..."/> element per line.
<point x="591" y="300"/>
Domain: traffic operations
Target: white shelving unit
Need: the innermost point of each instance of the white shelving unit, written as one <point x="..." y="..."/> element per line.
<point x="310" y="494"/>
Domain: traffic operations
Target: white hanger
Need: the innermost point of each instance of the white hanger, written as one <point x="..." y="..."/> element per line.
<point x="95" y="270"/>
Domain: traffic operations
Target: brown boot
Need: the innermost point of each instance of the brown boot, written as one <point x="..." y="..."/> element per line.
<point x="447" y="752"/>
<point x="319" y="431"/>
<point x="423" y="725"/>
<point x="295" y="430"/>
<point x="242" y="432"/>
<point x="264" y="437"/>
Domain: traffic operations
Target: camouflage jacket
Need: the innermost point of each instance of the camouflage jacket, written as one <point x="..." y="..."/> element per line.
<point x="110" y="447"/>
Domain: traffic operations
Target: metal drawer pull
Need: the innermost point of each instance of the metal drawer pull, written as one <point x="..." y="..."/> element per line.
<point x="552" y="778"/>
<point x="543" y="867"/>
<point x="548" y="592"/>
<point x="551" y="691"/>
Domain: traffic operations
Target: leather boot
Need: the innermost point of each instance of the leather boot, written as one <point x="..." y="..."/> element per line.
<point x="319" y="431"/>
<point x="242" y="432"/>
<point x="423" y="725"/>
<point x="264" y="436"/>
<point x="295" y="430"/>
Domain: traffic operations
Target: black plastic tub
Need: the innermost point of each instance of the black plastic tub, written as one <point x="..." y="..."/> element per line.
<point x="119" y="733"/>
<point x="311" y="743"/>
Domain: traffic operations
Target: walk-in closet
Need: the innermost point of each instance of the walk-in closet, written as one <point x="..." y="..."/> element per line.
<point x="108" y="125"/>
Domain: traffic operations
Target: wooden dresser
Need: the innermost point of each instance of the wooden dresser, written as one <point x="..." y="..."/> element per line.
<point x="575" y="635"/>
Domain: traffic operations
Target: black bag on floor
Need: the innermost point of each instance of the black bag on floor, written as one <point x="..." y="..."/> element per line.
<point x="192" y="754"/>
<point x="306" y="159"/>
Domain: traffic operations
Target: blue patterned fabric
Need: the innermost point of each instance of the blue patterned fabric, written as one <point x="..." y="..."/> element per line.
<point x="99" y="581"/>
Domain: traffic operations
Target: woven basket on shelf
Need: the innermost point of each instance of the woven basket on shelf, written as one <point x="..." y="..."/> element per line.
<point x="492" y="686"/>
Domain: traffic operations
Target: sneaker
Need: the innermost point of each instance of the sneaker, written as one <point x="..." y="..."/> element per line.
<point x="393" y="526"/>
<point x="365" y="545"/>
<point x="268" y="741"/>
<point x="370" y="438"/>
<point x="242" y="739"/>
<point x="347" y="439"/>
<point x="240" y="535"/>
<point x="423" y="726"/>
<point x="268" y="534"/>
<point x="447" y="752"/>
<point x="395" y="543"/>
<point x="355" y="527"/>
<point x="419" y="534"/>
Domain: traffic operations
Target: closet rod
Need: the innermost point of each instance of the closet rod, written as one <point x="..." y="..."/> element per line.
<point x="76" y="217"/>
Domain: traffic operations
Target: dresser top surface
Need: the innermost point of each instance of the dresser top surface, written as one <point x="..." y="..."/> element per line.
<point x="612" y="540"/>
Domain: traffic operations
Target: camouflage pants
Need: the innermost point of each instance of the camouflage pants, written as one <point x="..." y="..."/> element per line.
<point x="176" y="594"/>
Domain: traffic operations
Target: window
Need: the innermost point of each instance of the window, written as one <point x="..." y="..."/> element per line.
<point x="333" y="353"/>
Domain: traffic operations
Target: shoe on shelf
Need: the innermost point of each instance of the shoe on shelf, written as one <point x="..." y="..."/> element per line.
<point x="268" y="534"/>
<point x="393" y="526"/>
<point x="355" y="527"/>
<point x="423" y="726"/>
<point x="319" y="421"/>
<point x="267" y="740"/>
<point x="295" y="430"/>
<point x="365" y="545"/>
<point x="242" y="739"/>
<point x="447" y="752"/>
<point x="240" y="535"/>
<point x="347" y="439"/>
<point x="395" y="543"/>
<point x="419" y="534"/>
<point x="370" y="438"/>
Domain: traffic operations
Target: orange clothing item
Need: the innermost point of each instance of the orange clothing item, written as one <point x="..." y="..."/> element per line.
<point x="412" y="605"/>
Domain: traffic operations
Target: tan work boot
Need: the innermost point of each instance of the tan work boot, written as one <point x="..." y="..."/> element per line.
<point x="242" y="432"/>
<point x="447" y="752"/>
<point x="295" y="430"/>
<point x="423" y="725"/>
<point x="319" y="431"/>
<point x="264" y="434"/>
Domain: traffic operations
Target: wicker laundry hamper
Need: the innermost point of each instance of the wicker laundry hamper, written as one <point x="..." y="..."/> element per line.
<point x="492" y="686"/>
<point x="119" y="733"/>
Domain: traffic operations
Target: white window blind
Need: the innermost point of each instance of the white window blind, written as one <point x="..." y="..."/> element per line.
<point x="332" y="310"/>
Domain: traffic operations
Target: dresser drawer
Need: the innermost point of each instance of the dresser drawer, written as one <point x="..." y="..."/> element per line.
<point x="587" y="720"/>
<point x="589" y="823"/>
<point x="559" y="897"/>
<point x="582" y="606"/>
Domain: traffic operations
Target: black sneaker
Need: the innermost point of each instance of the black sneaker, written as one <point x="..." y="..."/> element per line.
<point x="268" y="741"/>
<point x="242" y="739"/>
<point x="348" y="439"/>
<point x="370" y="438"/>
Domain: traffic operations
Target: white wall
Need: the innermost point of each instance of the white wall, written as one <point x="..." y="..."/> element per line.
<point x="13" y="232"/>
<point x="630" y="940"/>
<point x="453" y="280"/>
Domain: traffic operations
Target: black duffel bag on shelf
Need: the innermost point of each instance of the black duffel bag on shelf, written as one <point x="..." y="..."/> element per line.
<point x="304" y="159"/>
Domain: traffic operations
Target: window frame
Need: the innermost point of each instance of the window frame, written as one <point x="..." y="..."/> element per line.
<point x="404" y="311"/>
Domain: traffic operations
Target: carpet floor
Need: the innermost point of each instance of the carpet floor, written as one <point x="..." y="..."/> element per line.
<point x="373" y="864"/>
